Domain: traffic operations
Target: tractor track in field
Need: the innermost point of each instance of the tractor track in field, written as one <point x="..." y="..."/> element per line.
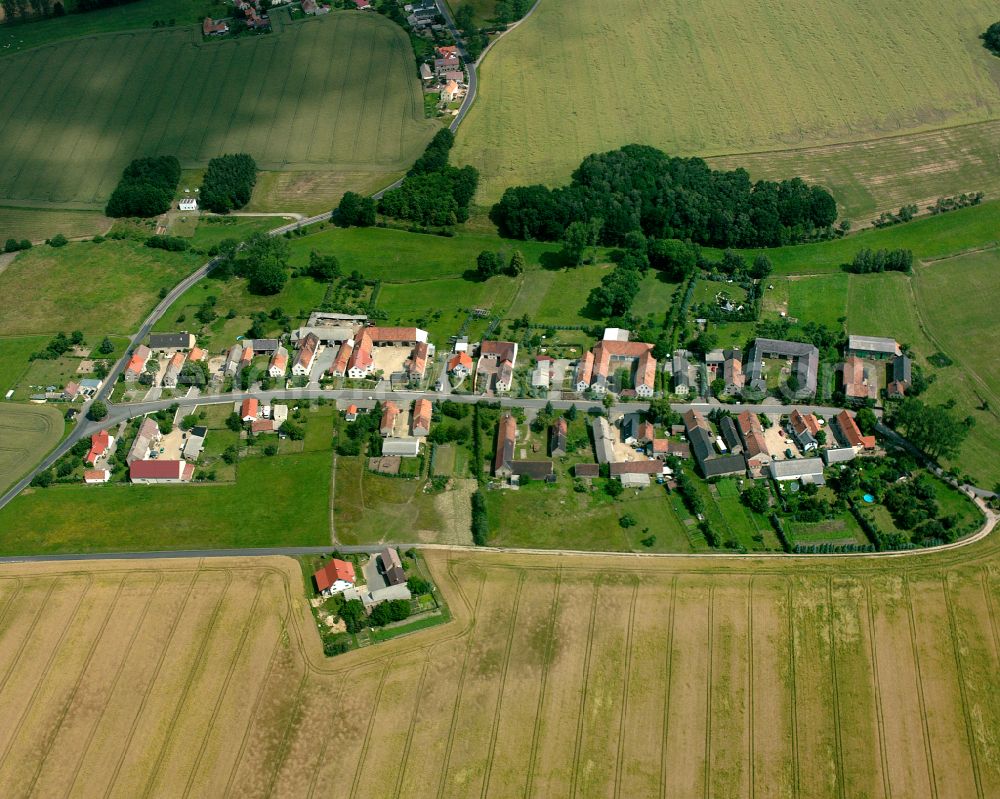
<point x="495" y="729"/>
<point x="928" y="750"/>
<point x="366" y="742"/>
<point x="450" y="742"/>
<point x="533" y="757"/>
<point x="149" y="688"/>
<point x="962" y="688"/>
<point x="838" y="737"/>
<point x="985" y="579"/>
<point x="793" y="704"/>
<point x="321" y="755"/>
<point x="189" y="679"/>
<point x="282" y="751"/>
<point x="707" y="779"/>
<point x="54" y="731"/>
<point x="668" y="668"/>
<point x="411" y="728"/>
<point x="581" y="717"/>
<point x="9" y="602"/>
<point x="750" y="700"/>
<point x="626" y="675"/>
<point x="224" y="688"/>
<point x="44" y="673"/>
<point x="877" y="689"/>
<point x="28" y="635"/>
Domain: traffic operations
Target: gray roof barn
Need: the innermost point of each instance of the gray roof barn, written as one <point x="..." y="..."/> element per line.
<point x="164" y="341"/>
<point x="805" y="358"/>
<point x="808" y="470"/>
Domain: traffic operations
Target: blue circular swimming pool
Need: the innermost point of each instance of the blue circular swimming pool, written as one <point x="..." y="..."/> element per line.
<point x="868" y="498"/>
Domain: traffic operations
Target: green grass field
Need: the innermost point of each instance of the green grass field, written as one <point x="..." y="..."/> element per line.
<point x="754" y="76"/>
<point x="296" y="512"/>
<point x="97" y="288"/>
<point x="336" y="92"/>
<point x="27" y="432"/>
<point x="36" y="225"/>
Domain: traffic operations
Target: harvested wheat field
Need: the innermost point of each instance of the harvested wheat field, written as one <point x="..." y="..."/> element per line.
<point x="559" y="676"/>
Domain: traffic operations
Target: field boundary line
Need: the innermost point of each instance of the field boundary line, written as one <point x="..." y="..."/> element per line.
<point x="750" y="701"/>
<point x="43" y="675"/>
<point x="411" y="727"/>
<point x="450" y="741"/>
<point x="835" y="689"/>
<point x="54" y="732"/>
<point x="581" y="718"/>
<point x="114" y="683"/>
<point x="224" y="688"/>
<point x="544" y="683"/>
<point x="503" y="682"/>
<point x="668" y="666"/>
<point x="970" y="732"/>
<point x="283" y="746"/>
<point x="796" y="778"/>
<point x="877" y="688"/>
<point x="359" y="769"/>
<point x="626" y="674"/>
<point x="9" y="602"/>
<point x="990" y="610"/>
<point x="707" y="778"/>
<point x="197" y="661"/>
<point x="928" y="750"/>
<point x="149" y="688"/>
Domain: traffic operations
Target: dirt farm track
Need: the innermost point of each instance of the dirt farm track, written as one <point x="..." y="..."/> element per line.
<point x="559" y="676"/>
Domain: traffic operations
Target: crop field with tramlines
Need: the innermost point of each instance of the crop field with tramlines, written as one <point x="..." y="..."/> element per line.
<point x="587" y="677"/>
<point x="339" y="92"/>
<point x="739" y="77"/>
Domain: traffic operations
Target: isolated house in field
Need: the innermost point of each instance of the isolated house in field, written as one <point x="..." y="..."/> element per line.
<point x="850" y="434"/>
<point x="173" y="371"/>
<point x="902" y="377"/>
<point x="279" y="363"/>
<point x="557" y="438"/>
<point x="137" y="363"/>
<point x="504" y="456"/>
<point x="160" y="471"/>
<point x="859" y="379"/>
<point x="100" y="443"/>
<point x="804" y="358"/>
<point x="249" y="409"/>
<point x="596" y="370"/>
<point x="495" y="368"/>
<point x="306" y="355"/>
<point x="210" y="27"/>
<point x="145" y="439"/>
<point x="171" y="341"/>
<point x="460" y="365"/>
<point x="804" y="428"/>
<point x="392" y="566"/>
<point x="872" y="347"/>
<point x="421" y="417"/>
<point x="390" y="413"/>
<point x="334" y="577"/>
<point x="754" y="445"/>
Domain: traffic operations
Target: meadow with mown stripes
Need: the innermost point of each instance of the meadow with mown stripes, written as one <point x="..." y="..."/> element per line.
<point x="335" y="93"/>
<point x="590" y="676"/>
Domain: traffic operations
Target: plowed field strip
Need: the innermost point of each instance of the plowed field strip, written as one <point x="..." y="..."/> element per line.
<point x="625" y="679"/>
<point x="550" y="639"/>
<point x="877" y="689"/>
<point x="920" y="686"/>
<point x="581" y="717"/>
<point x="838" y="735"/>
<point x="668" y="665"/>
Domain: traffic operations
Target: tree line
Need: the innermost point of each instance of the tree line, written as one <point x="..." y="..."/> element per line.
<point x="229" y="182"/>
<point x="146" y="187"/>
<point x="640" y="188"/>
<point x="869" y="261"/>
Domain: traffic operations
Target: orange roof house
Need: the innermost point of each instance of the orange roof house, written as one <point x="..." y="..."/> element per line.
<point x="851" y="432"/>
<point x="249" y="409"/>
<point x="337" y="575"/>
<point x="99" y="444"/>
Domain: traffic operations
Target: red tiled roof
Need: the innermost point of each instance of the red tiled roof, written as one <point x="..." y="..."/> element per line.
<point x="753" y="434"/>
<point x="636" y="467"/>
<point x="506" y="434"/>
<point x="333" y="571"/>
<point x="157" y="469"/>
<point x="197" y="354"/>
<point x="279" y="361"/>
<point x="249" y="408"/>
<point x="646" y="432"/>
<point x="803" y="421"/>
<point x="645" y="372"/>
<point x="587" y="470"/>
<point x="422" y="414"/>
<point x="501" y="350"/>
<point x="99" y="443"/>
<point x="95" y="474"/>
<point x="352" y="409"/>
<point x="852" y="432"/>
<point x="361" y="355"/>
<point x="389" y="413"/>
<point x="339" y="365"/>
<point x="262" y="426"/>
<point x="397" y="334"/>
<point x="460" y="359"/>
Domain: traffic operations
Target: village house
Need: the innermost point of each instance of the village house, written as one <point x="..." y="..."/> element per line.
<point x="71" y="390"/>
<point x="805" y="470"/>
<point x="160" y="471"/>
<point x="504" y="456"/>
<point x="416" y="365"/>
<point x="754" y="444"/>
<point x="699" y="434"/>
<point x="334" y="577"/>
<point x="557" y="438"/>
<point x="258" y="426"/>
<point x="859" y="379"/>
<point x="604" y="446"/>
<point x="233" y="359"/>
<point x="306" y="355"/>
<point x="680" y="369"/>
<point x="421" y="425"/>
<point x="732" y="371"/>
<point x="351" y="414"/>
<point x="804" y="427"/>
<point x="210" y="27"/>
<point x="850" y="434"/>
<point x="901" y="377"/>
<point x="442" y="65"/>
<point x="449" y="91"/>
<point x="246" y="358"/>
<point x="173" y="371"/>
<point x="197" y="354"/>
<point x="804" y="358"/>
<point x="872" y="347"/>
<point x="360" y="353"/>
<point x="616" y="353"/>
<point x="391" y="567"/>
<point x="96" y="476"/>
<point x="312" y="8"/>
<point x="495" y="368"/>
<point x="145" y="439"/>
<point x="390" y="412"/>
<point x="137" y="363"/>
<point x="460" y="365"/>
<point x="279" y="363"/>
<point x="194" y="443"/>
<point x="249" y="409"/>
<point x="171" y="341"/>
<point x="730" y="435"/>
<point x="100" y="443"/>
<point x="533" y="470"/>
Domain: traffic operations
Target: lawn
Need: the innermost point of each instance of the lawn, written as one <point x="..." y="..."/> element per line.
<point x="96" y="288"/>
<point x="749" y="77"/>
<point x="27" y="432"/>
<point x="14" y="358"/>
<point x="124" y="95"/>
<point x="821" y="299"/>
<point x="278" y="501"/>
